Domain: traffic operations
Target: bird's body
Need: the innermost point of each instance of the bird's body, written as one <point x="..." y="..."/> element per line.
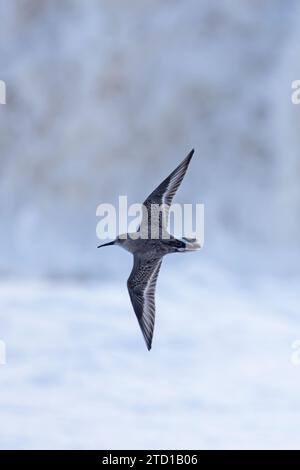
<point x="149" y="245"/>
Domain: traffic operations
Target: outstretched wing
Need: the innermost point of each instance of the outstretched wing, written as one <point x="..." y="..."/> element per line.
<point x="162" y="198"/>
<point x="141" y="287"/>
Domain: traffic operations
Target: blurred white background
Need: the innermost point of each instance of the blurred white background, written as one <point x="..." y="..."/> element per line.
<point x="105" y="98"/>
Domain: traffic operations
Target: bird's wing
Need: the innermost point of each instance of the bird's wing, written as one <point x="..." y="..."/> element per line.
<point x="162" y="197"/>
<point x="141" y="287"/>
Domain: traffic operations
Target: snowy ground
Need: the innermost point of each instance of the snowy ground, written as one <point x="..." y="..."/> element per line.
<point x="220" y="374"/>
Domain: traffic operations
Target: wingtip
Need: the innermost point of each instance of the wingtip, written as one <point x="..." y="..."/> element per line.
<point x="191" y="153"/>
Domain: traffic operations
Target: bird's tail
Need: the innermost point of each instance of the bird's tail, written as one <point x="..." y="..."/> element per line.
<point x="185" y="244"/>
<point x="191" y="244"/>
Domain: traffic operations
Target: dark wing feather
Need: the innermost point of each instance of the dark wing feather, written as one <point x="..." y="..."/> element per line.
<point x="141" y="287"/>
<point x="163" y="196"/>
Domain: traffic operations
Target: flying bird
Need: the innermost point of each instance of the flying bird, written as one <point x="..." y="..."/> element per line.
<point x="149" y="244"/>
